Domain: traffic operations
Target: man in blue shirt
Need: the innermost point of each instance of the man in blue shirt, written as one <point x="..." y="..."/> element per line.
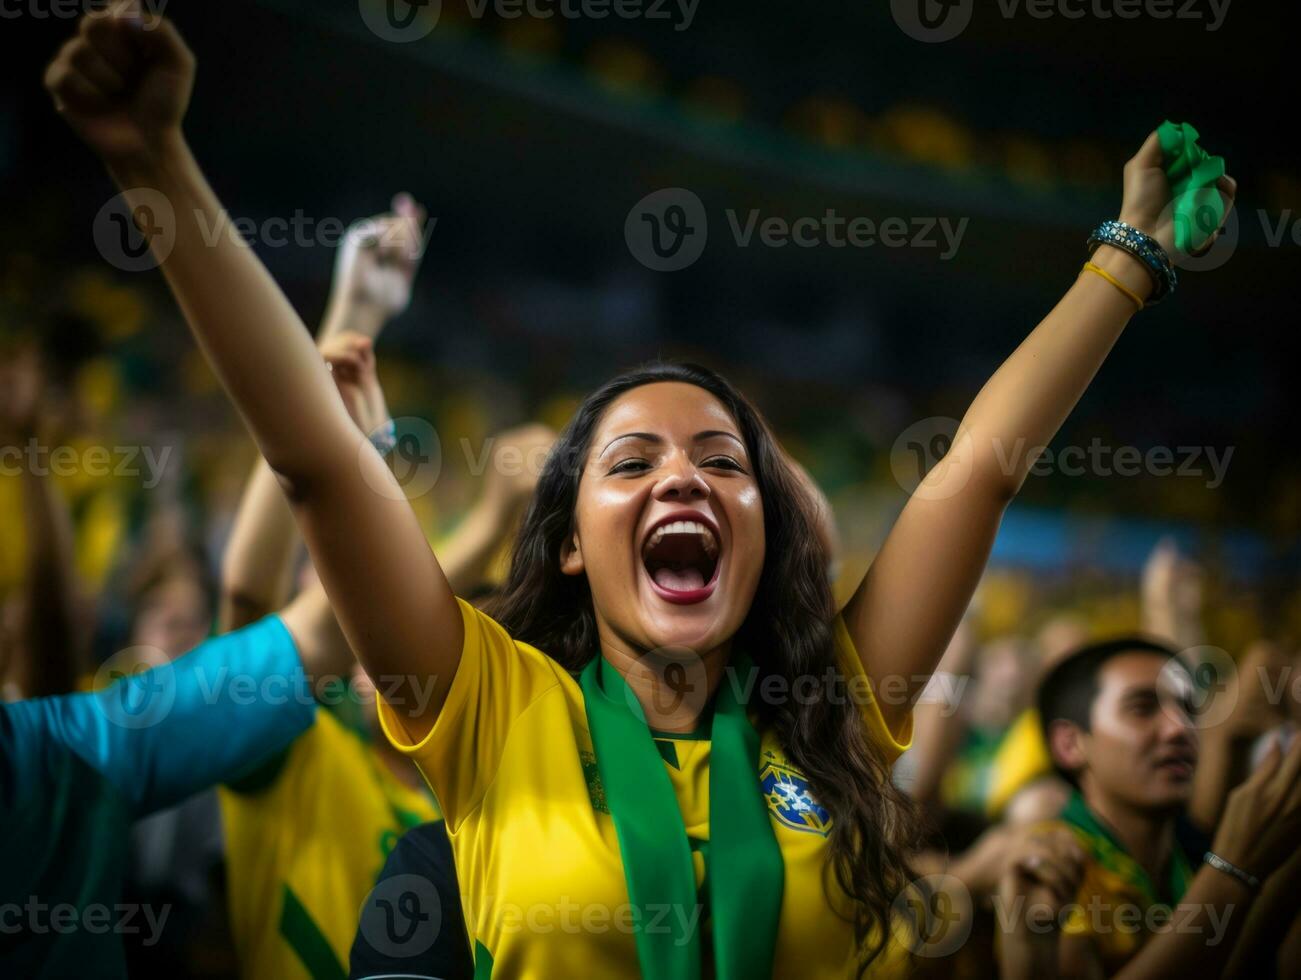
<point x="76" y="770"/>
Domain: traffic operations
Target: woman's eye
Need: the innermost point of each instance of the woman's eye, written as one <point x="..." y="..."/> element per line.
<point x="630" y="466"/>
<point x="723" y="462"/>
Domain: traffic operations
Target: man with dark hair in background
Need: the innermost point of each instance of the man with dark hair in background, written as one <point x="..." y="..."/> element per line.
<point x="1119" y="722"/>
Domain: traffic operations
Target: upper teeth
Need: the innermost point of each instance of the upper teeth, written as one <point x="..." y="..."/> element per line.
<point x="685" y="527"/>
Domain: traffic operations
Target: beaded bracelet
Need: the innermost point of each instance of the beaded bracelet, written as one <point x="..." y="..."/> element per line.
<point x="1232" y="870"/>
<point x="1143" y="247"/>
<point x="385" y="438"/>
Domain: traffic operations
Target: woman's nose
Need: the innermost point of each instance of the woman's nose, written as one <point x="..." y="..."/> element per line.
<point x="681" y="481"/>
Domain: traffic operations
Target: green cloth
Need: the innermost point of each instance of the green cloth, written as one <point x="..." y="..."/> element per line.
<point x="1107" y="850"/>
<point x="744" y="885"/>
<point x="1193" y="174"/>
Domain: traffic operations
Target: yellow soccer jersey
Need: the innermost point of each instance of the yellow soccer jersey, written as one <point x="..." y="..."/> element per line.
<point x="304" y="845"/>
<point x="1022" y="758"/>
<point x="1117" y="904"/>
<point x="537" y="857"/>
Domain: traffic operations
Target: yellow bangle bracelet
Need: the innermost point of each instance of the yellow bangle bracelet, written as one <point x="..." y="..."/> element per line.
<point x="1138" y="300"/>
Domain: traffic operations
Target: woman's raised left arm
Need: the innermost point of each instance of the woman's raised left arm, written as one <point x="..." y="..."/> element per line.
<point x="910" y="601"/>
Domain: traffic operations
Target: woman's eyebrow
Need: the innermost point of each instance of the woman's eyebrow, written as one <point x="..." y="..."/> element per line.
<point x="712" y="433"/>
<point x="644" y="436"/>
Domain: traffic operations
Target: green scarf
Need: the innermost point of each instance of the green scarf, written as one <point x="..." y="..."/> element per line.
<point x="746" y="871"/>
<point x="1193" y="173"/>
<point x="1111" y="854"/>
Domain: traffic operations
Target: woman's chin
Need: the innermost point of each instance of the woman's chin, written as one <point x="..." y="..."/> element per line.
<point x="699" y="630"/>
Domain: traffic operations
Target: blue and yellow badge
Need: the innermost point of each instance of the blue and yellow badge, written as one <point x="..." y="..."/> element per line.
<point x="790" y="799"/>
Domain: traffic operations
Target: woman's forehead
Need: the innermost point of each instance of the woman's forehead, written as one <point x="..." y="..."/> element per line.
<point x="669" y="409"/>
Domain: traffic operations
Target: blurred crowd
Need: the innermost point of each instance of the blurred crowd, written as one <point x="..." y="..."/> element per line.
<point x="1116" y="713"/>
<point x="126" y="481"/>
<point x="150" y="456"/>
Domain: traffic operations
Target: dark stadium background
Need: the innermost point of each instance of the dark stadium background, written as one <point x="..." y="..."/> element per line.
<point x="530" y="140"/>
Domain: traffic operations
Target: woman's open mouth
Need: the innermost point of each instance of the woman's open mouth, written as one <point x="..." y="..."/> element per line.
<point x="681" y="557"/>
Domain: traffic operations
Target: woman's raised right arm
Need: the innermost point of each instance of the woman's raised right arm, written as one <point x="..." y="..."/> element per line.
<point x="123" y="84"/>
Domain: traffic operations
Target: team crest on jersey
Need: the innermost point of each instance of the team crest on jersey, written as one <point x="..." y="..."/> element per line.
<point x="790" y="799"/>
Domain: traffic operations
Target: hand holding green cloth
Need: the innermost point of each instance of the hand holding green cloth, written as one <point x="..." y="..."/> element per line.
<point x="1193" y="174"/>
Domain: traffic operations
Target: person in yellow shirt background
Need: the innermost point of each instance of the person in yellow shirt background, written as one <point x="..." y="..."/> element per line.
<point x="44" y="644"/>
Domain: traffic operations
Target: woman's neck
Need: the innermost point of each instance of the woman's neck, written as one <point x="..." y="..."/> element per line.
<point x="674" y="686"/>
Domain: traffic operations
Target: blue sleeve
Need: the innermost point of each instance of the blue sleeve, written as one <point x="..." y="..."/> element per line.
<point x="164" y="734"/>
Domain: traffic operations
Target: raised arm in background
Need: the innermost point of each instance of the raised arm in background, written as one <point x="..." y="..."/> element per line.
<point x="1227" y="737"/>
<point x="914" y="594"/>
<point x="514" y="465"/>
<point x="1270" y="944"/>
<point x="1172" y="591"/>
<point x="372" y="283"/>
<point x="123" y="83"/>
<point x="939" y="720"/>
<point x="49" y="649"/>
<point x="512" y="472"/>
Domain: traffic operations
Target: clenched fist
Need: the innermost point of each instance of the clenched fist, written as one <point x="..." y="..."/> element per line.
<point x="123" y="82"/>
<point x="377" y="265"/>
<point x="1147" y="197"/>
<point x="351" y="359"/>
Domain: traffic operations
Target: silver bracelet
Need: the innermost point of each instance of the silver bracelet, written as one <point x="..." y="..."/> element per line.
<point x="1219" y="864"/>
<point x="385" y="438"/>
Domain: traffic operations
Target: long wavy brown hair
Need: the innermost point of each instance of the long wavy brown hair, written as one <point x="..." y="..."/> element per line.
<point x="787" y="632"/>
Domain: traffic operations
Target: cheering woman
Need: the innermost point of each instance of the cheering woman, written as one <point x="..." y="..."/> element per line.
<point x="608" y="818"/>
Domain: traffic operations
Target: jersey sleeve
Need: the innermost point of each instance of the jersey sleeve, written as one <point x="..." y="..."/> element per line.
<point x="893" y="744"/>
<point x="496" y="681"/>
<point x="164" y="734"/>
